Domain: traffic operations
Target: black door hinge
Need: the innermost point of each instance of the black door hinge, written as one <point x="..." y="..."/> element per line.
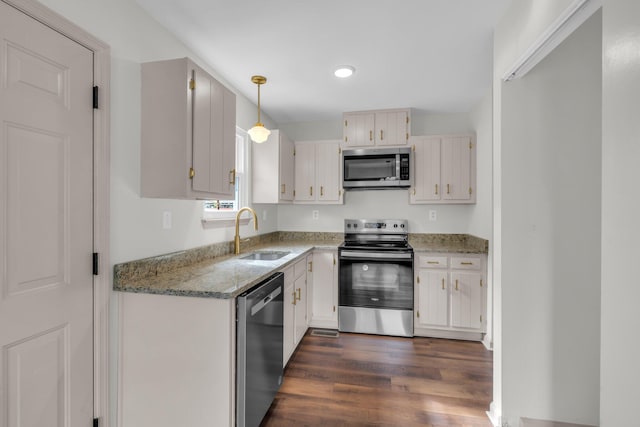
<point x="96" y="423"/>
<point x="95" y="263"/>
<point x="95" y="97"/>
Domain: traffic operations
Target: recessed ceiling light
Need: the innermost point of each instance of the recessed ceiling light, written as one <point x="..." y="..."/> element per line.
<point x="344" y="71"/>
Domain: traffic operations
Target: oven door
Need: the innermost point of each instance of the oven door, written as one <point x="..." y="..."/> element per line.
<point x="376" y="279"/>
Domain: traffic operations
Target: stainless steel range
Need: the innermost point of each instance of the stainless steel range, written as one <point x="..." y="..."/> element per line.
<point x="375" y="278"/>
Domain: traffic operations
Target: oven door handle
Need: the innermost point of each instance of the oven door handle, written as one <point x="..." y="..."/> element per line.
<point x="376" y="255"/>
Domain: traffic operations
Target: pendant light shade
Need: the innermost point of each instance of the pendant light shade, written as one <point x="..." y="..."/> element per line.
<point x="258" y="132"/>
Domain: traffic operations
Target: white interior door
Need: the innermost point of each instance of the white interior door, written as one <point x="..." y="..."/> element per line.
<point x="46" y="226"/>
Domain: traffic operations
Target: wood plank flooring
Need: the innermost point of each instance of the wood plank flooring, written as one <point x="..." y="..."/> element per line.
<point x="367" y="380"/>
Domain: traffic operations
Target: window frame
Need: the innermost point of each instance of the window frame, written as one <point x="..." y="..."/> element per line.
<point x="211" y="217"/>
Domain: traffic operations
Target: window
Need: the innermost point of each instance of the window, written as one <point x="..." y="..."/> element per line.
<point x="226" y="209"/>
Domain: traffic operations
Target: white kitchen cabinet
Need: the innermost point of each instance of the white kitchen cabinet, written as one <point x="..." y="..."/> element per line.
<point x="324" y="290"/>
<point x="318" y="175"/>
<point x="432" y="302"/>
<point x="289" y="301"/>
<point x="444" y="169"/>
<point x="295" y="307"/>
<point x="177" y="360"/>
<point x="450" y="296"/>
<point x="466" y="300"/>
<point x="188" y="124"/>
<point x="384" y="127"/>
<point x="272" y="169"/>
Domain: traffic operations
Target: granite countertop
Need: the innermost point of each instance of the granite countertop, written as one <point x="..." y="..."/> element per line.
<point x="222" y="277"/>
<point x="452" y="243"/>
<point x="211" y="272"/>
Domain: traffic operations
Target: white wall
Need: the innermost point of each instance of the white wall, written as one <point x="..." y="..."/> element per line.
<point x="136" y="223"/>
<point x="510" y="42"/>
<point x="395" y="203"/>
<point x="551" y="199"/>
<point x="620" y="373"/>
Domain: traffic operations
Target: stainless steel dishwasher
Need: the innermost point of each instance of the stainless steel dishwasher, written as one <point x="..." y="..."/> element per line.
<point x="259" y="341"/>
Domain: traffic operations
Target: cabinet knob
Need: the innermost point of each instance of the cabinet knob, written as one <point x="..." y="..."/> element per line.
<point x="456" y="284"/>
<point x="311" y="191"/>
<point x="310" y="266"/>
<point x="381" y="135"/>
<point x="370" y="135"/>
<point x="283" y="190"/>
<point x="321" y="190"/>
<point x="443" y="283"/>
<point x="294" y="298"/>
<point x="232" y="177"/>
<point x="436" y="189"/>
<point x="299" y="292"/>
<point x="448" y="189"/>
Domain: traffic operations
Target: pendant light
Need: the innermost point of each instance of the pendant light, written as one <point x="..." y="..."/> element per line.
<point x="258" y="132"/>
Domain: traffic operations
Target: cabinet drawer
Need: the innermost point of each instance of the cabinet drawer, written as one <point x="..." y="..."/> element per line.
<point x="466" y="263"/>
<point x="429" y="261"/>
<point x="300" y="268"/>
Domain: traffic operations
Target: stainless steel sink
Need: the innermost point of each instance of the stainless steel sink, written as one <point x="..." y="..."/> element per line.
<point x="265" y="255"/>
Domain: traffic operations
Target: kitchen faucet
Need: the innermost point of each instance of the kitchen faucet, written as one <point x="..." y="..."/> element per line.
<point x="255" y="224"/>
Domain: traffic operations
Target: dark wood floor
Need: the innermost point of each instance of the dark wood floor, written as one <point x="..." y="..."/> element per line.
<point x="365" y="380"/>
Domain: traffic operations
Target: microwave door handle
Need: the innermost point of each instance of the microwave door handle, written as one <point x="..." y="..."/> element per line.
<point x="397" y="166"/>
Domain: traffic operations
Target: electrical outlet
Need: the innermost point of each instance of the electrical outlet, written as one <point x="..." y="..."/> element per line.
<point x="433" y="215"/>
<point x="166" y="220"/>
<point x="264" y="215"/>
<point x="315" y="214"/>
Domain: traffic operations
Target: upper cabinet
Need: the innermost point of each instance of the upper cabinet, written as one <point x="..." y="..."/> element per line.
<point x="272" y="169"/>
<point x="367" y="128"/>
<point x="444" y="169"/>
<point x="318" y="176"/>
<point x="188" y="133"/>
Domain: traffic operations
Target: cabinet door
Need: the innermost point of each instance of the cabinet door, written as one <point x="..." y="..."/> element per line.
<point x="213" y="159"/>
<point x="456" y="168"/>
<point x="300" y="321"/>
<point x="359" y="129"/>
<point x="466" y="300"/>
<point x="391" y="128"/>
<point x="213" y="136"/>
<point x="305" y="172"/>
<point x="289" y="316"/>
<point x="202" y="116"/>
<point x="286" y="169"/>
<point x="325" y="290"/>
<point x="329" y="183"/>
<point x="426" y="170"/>
<point x="432" y="300"/>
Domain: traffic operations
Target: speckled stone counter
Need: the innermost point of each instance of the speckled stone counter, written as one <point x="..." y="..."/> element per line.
<point x="451" y="243"/>
<point x="213" y="272"/>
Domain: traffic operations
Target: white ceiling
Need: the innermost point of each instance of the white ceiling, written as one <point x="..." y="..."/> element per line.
<point x="431" y="55"/>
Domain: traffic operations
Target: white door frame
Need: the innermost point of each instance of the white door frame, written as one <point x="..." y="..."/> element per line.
<point x="101" y="282"/>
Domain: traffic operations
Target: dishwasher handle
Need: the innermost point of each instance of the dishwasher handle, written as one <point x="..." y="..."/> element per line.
<point x="265" y="301"/>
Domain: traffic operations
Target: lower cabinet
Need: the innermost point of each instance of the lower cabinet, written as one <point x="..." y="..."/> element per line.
<point x="176" y="361"/>
<point x="295" y="306"/>
<point x="324" y="290"/>
<point x="450" y="296"/>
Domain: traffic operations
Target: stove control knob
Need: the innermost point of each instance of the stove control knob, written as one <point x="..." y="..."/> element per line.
<point x="384" y="225"/>
<point x="395" y="225"/>
<point x="348" y="225"/>
<point x="355" y="225"/>
<point x="402" y="225"/>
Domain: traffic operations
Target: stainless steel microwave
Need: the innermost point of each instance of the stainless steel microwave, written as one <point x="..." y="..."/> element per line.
<point x="376" y="168"/>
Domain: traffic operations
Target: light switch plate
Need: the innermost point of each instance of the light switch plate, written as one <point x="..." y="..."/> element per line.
<point x="315" y="214"/>
<point x="433" y="215"/>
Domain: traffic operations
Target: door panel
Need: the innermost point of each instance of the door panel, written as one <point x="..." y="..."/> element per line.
<point x="46" y="226"/>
